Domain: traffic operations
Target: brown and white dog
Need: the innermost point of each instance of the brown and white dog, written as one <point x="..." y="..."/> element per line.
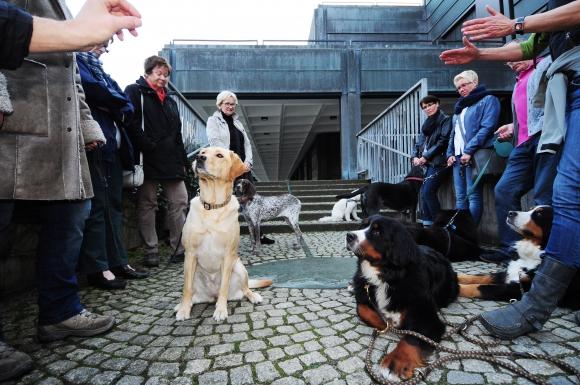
<point x="211" y="236"/>
<point x="400" y="283"/>
<point x="534" y="226"/>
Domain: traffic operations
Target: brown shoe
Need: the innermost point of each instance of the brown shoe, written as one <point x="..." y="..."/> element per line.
<point x="84" y="324"/>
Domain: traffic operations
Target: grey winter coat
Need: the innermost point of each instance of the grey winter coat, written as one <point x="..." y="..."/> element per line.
<point x="42" y="155"/>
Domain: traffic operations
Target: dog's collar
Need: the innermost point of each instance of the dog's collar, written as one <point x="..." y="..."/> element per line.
<point x="414" y="178"/>
<point x="213" y="206"/>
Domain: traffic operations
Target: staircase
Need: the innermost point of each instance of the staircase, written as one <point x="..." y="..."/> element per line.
<point x="317" y="197"/>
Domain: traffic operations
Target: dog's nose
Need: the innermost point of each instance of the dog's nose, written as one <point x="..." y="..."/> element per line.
<point x="512" y="214"/>
<point x="350" y="237"/>
<point x="200" y="158"/>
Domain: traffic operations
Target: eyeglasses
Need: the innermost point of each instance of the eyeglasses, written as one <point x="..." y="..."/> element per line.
<point x="229" y="104"/>
<point x="160" y="74"/>
<point x="425" y="106"/>
<point x="459" y="87"/>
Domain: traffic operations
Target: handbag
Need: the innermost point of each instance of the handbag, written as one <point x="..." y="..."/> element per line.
<point x="135" y="178"/>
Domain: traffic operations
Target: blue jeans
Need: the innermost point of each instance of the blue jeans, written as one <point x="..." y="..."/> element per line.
<point x="430" y="205"/>
<point x="563" y="244"/>
<point x="463" y="181"/>
<point x="525" y="170"/>
<point x="59" y="243"/>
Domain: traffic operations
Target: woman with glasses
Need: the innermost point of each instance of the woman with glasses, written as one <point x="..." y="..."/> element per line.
<point x="475" y="119"/>
<point x="156" y="130"/>
<point x="430" y="149"/>
<point x="224" y="129"/>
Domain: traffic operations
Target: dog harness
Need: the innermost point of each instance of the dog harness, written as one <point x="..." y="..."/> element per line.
<point x="213" y="206"/>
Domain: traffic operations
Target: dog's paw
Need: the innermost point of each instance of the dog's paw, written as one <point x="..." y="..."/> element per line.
<point x="220" y="313"/>
<point x="401" y="362"/>
<point x="254" y="297"/>
<point x="183" y="311"/>
<point x="387" y="374"/>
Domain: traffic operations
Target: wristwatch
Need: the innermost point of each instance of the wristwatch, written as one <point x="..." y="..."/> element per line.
<point x="519" y="25"/>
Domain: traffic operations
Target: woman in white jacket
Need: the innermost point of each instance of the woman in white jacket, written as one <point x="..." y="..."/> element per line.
<point x="224" y="129"/>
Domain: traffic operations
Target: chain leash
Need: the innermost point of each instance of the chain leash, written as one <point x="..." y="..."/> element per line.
<point x="455" y="355"/>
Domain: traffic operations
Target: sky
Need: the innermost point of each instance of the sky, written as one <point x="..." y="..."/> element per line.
<point x="166" y="20"/>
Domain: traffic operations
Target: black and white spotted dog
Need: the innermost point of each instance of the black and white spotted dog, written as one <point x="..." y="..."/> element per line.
<point x="257" y="208"/>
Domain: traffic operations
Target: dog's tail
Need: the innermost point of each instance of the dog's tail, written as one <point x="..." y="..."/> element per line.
<point x="353" y="193"/>
<point x="259" y="283"/>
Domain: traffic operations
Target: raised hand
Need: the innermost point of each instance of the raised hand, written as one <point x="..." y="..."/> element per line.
<point x="99" y="20"/>
<point x="494" y="26"/>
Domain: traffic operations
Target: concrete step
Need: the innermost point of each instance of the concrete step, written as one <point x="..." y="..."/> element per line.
<point x="330" y="190"/>
<point x="309" y="222"/>
<point x="305" y="226"/>
<point x="299" y="183"/>
<point x="312" y="215"/>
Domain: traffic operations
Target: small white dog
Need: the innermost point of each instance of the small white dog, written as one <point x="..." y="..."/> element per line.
<point x="344" y="208"/>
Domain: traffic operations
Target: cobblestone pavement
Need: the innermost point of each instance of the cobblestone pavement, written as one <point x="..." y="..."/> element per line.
<point x="296" y="336"/>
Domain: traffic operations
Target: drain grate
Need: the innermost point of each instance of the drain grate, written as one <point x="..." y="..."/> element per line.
<point x="307" y="273"/>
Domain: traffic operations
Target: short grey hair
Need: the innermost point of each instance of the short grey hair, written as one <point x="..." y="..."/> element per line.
<point x="223" y="96"/>
<point x="468" y="75"/>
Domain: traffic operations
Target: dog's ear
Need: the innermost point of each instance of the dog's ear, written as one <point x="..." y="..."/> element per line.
<point x="237" y="167"/>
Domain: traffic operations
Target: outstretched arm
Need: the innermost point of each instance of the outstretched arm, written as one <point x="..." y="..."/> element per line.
<point x="498" y="25"/>
<point x="97" y="22"/>
<point x="470" y="52"/>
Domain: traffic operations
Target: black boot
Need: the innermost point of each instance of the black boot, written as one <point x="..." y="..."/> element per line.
<point x="533" y="310"/>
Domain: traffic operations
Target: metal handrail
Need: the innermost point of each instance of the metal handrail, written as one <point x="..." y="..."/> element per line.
<point x="192" y="125"/>
<point x="385" y="145"/>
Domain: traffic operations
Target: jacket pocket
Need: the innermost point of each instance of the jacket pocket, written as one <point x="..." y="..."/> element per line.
<point x="28" y="88"/>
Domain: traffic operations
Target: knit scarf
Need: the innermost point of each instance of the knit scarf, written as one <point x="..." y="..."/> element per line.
<point x="430" y="124"/>
<point x="475" y="96"/>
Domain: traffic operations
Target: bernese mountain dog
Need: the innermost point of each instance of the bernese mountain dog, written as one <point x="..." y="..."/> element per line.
<point x="403" y="284"/>
<point x="534" y="226"/>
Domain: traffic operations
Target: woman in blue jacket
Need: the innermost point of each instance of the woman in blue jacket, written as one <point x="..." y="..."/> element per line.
<point x="474" y="121"/>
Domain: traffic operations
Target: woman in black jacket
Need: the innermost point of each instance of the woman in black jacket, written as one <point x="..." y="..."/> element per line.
<point x="430" y="151"/>
<point x="156" y="132"/>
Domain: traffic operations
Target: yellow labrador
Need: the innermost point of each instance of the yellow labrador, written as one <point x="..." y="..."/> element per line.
<point x="211" y="236"/>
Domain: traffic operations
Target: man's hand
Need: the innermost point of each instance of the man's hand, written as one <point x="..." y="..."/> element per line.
<point x="247" y="167"/>
<point x="464" y="55"/>
<point x="99" y="20"/>
<point x="494" y="26"/>
<point x="92" y="145"/>
<point x="505" y="132"/>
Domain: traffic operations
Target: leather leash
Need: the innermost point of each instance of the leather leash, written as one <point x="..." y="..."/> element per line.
<point x="456" y="354"/>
